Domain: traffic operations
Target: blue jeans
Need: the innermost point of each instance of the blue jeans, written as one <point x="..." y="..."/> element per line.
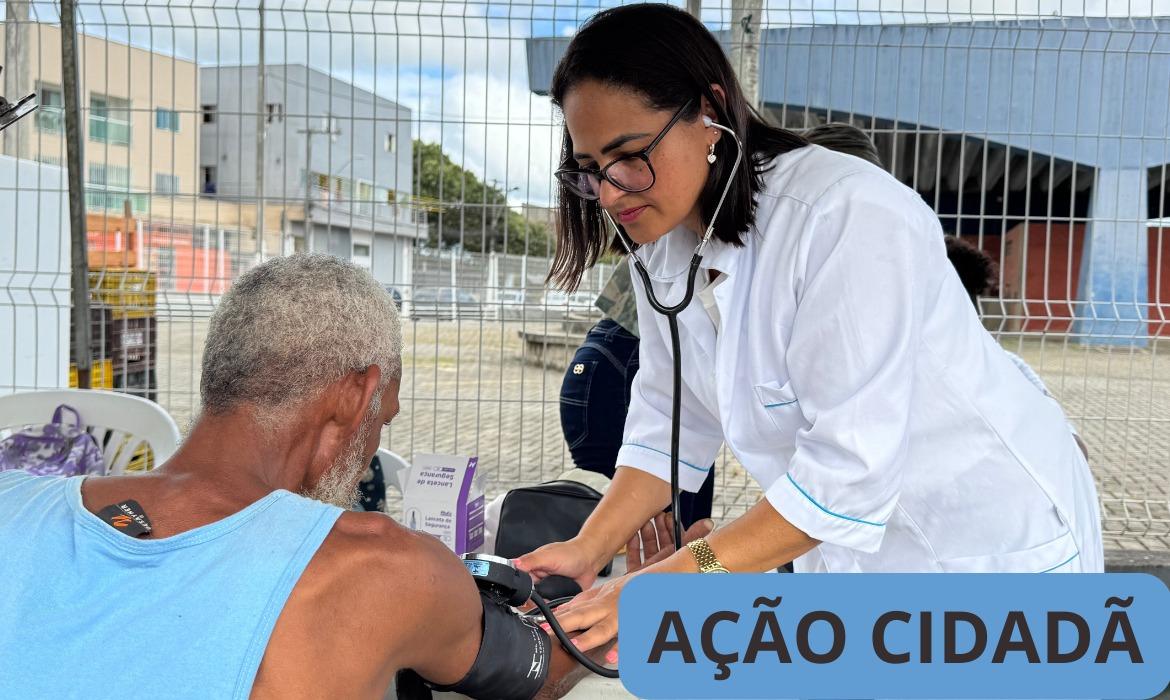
<point x="595" y="396"/>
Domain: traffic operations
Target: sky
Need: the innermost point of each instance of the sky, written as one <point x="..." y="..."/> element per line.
<point x="461" y="66"/>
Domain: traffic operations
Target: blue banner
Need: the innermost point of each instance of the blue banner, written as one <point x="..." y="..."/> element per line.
<point x="895" y="635"/>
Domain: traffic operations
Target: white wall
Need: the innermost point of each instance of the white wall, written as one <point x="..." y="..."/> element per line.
<point x="34" y="275"/>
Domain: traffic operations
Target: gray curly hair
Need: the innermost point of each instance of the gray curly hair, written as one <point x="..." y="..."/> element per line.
<point x="290" y="326"/>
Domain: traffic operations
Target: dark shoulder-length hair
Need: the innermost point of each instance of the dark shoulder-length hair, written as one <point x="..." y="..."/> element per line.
<point x="668" y="57"/>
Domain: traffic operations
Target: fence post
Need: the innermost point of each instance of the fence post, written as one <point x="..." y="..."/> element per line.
<point x="75" y="158"/>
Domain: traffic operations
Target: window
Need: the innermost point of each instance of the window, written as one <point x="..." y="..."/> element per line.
<point x="51" y="113"/>
<point x="165" y="183"/>
<point x="275" y="112"/>
<point x="208" y="179"/>
<point x="49" y="160"/>
<point x="360" y="248"/>
<point x="365" y="198"/>
<point x="166" y="119"/>
<point x="391" y="143"/>
<point x="109" y="176"/>
<point x="164" y="261"/>
<point x="208" y="112"/>
<point x="109" y="119"/>
<point x="108" y="188"/>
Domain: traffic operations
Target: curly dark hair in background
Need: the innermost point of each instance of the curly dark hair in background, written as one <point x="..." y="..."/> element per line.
<point x="976" y="269"/>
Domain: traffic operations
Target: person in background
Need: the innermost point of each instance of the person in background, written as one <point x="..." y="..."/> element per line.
<point x="978" y="274"/>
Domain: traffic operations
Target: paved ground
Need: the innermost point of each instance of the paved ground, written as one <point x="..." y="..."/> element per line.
<point x="470" y="387"/>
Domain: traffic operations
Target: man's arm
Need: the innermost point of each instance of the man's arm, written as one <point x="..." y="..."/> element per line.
<point x="439" y="612"/>
<point x="442" y="609"/>
<point x="376" y="599"/>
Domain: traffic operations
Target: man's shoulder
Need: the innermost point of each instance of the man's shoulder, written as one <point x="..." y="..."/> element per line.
<point x="370" y="554"/>
<point x="402" y="581"/>
<point x="364" y="606"/>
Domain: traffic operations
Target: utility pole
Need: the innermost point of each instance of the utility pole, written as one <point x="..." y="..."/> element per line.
<point x="746" y="30"/>
<point x="75" y="158"/>
<point x="695" y="7"/>
<point x="498" y="208"/>
<point x="309" y="133"/>
<point x="16" y="66"/>
<point x="261" y="134"/>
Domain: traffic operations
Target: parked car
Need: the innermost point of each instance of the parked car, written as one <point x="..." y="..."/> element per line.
<point x="561" y="303"/>
<point x="445" y="303"/>
<point x="510" y="303"/>
<point x="396" y="295"/>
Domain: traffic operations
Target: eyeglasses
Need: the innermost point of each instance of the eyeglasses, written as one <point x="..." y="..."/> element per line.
<point x="631" y="173"/>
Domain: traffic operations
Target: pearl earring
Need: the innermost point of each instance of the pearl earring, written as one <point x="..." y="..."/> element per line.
<point x="711" y="155"/>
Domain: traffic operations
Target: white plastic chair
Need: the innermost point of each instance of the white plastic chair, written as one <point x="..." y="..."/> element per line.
<point x="395" y="469"/>
<point x="118" y="422"/>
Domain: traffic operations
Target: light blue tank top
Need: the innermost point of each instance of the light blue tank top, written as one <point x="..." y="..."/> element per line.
<point x="88" y="612"/>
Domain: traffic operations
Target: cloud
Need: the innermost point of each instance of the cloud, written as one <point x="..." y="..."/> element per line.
<point x="488" y="121"/>
<point x="461" y="65"/>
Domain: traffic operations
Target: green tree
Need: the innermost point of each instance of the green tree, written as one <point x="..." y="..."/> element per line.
<point x="463" y="209"/>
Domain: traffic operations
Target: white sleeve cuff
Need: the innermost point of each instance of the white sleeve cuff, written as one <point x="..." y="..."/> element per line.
<point x="800" y="508"/>
<point x="657" y="462"/>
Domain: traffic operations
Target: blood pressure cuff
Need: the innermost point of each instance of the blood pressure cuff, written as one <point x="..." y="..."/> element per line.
<point x="513" y="659"/>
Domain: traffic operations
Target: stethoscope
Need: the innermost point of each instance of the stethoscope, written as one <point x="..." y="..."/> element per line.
<point x="671" y="313"/>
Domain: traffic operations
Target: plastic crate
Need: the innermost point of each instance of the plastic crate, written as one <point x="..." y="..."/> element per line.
<point x="134" y="340"/>
<point x="100" y="343"/>
<point x="101" y="375"/>
<point x="127" y="293"/>
<point x="123" y="340"/>
<point x="139" y="381"/>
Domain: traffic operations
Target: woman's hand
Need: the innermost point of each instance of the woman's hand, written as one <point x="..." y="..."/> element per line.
<point x="595" y="611"/>
<point x="573" y="559"/>
<point x="594" y="614"/>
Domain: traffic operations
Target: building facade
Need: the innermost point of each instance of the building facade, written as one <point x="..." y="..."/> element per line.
<point x="337" y="163"/>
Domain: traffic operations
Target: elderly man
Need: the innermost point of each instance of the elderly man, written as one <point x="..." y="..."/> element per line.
<point x="232" y="570"/>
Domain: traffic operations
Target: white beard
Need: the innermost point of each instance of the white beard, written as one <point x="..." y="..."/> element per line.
<point x="338" y="486"/>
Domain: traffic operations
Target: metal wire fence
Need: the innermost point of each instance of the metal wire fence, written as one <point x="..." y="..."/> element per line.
<point x="417" y="140"/>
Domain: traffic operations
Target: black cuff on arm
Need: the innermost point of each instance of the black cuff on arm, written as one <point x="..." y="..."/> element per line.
<point x="513" y="659"/>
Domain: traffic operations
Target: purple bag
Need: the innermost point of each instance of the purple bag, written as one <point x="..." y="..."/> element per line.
<point x="55" y="449"/>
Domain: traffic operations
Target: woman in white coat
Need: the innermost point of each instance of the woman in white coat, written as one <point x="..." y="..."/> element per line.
<point x="830" y="345"/>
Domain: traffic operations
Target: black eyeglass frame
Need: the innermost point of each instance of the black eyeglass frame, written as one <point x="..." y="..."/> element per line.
<point x="563" y="174"/>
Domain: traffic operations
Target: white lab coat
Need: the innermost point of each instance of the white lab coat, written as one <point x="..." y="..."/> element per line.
<point x="851" y="377"/>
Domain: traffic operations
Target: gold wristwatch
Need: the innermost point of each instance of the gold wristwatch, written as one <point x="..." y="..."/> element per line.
<point x="708" y="562"/>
